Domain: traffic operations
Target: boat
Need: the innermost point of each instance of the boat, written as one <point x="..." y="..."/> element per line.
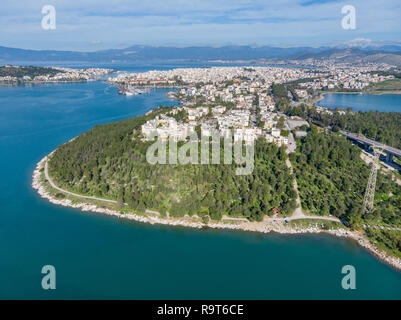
<point x="131" y="91"/>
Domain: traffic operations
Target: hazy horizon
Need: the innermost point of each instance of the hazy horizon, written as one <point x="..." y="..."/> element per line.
<point x="364" y="43"/>
<point x="101" y="25"/>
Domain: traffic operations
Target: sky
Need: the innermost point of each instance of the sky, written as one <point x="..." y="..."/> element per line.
<point x="90" y="25"/>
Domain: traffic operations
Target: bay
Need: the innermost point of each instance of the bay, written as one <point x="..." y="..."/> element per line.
<point x="362" y="102"/>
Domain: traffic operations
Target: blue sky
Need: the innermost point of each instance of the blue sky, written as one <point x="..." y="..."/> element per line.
<point x="90" y="25"/>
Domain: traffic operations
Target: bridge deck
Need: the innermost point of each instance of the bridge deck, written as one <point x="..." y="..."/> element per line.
<point x="386" y="148"/>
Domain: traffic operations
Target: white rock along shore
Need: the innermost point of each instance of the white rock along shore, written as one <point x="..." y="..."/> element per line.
<point x="266" y="226"/>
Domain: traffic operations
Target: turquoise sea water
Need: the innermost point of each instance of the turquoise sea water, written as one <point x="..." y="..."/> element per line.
<point x="362" y="102"/>
<point x="98" y="256"/>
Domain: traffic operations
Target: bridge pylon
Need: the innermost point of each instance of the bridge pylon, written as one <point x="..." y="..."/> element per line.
<point x="368" y="201"/>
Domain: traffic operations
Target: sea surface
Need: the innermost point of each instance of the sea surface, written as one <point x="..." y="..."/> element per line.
<point x="98" y="256"/>
<point x="362" y="102"/>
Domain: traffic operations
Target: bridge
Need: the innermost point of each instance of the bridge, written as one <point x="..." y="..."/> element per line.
<point x="368" y="143"/>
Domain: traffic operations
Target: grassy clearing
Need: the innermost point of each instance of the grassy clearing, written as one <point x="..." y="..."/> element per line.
<point x="382" y="87"/>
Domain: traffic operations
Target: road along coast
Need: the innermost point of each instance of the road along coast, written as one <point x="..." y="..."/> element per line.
<point x="43" y="184"/>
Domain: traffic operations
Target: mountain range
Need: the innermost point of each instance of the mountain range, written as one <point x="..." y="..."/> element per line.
<point x="386" y="53"/>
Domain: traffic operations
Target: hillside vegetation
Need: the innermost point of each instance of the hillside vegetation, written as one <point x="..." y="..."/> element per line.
<point x="332" y="179"/>
<point x="110" y="161"/>
<point x="30" y="71"/>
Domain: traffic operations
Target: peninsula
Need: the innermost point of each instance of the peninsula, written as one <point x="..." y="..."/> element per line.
<point x="33" y="74"/>
<point x="307" y="177"/>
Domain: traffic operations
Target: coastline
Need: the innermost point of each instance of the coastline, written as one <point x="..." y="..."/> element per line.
<point x="269" y="225"/>
<point x="27" y="82"/>
<point x="362" y="92"/>
<point x="373" y="93"/>
<point x="322" y="94"/>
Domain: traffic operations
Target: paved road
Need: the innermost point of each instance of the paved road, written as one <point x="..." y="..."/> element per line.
<point x="292" y="146"/>
<point x="298" y="214"/>
<point x="313" y="217"/>
<point x="84" y="197"/>
<point x="71" y="193"/>
<point x="354" y="136"/>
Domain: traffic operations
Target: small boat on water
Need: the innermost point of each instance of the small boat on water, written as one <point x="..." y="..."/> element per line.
<point x="131" y="91"/>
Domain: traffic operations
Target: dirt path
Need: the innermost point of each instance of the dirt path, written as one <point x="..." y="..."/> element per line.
<point x="298" y="213"/>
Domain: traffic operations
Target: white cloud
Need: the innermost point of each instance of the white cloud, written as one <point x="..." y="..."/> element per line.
<point x="112" y="22"/>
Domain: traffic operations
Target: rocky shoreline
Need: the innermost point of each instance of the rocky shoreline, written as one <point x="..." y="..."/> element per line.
<point x="262" y="227"/>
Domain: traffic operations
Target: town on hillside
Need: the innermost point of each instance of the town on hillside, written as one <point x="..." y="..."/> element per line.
<point x="242" y="101"/>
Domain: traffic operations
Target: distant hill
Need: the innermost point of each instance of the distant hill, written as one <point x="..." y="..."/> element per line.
<point x="389" y="54"/>
<point x="351" y="55"/>
<point x="149" y="53"/>
<point x="394" y="59"/>
<point x="14" y="54"/>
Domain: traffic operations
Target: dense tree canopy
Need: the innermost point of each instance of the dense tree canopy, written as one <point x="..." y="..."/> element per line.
<point x="110" y="161"/>
<point x="30" y="71"/>
<point x="332" y="179"/>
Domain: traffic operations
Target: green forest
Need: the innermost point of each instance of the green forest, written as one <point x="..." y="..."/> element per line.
<point x="110" y="161"/>
<point x="30" y="71"/>
<point x="332" y="180"/>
